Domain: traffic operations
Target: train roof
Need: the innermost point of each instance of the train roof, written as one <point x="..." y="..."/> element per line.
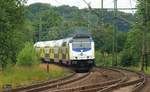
<point x="39" y="44"/>
<point x="52" y="43"/>
<point x="81" y="36"/>
<point x="60" y="42"/>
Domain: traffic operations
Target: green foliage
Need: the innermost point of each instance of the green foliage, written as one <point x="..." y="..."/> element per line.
<point x="141" y="11"/>
<point x="104" y="39"/>
<point x="84" y="15"/>
<point x="98" y="57"/>
<point x="48" y="19"/>
<point x="132" y="51"/>
<point x="102" y="60"/>
<point x="27" y="56"/>
<point x="20" y="35"/>
<point x="45" y="21"/>
<point x="11" y="17"/>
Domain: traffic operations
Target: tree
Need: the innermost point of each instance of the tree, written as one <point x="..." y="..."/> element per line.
<point x="132" y="52"/>
<point x="11" y="17"/>
<point x="103" y="39"/>
<point x="144" y="19"/>
<point x="43" y="17"/>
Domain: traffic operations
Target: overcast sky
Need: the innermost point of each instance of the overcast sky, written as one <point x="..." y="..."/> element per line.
<point x="94" y="3"/>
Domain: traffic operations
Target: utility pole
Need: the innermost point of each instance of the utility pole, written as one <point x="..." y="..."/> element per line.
<point x="114" y="57"/>
<point x="102" y="24"/>
<point x="145" y="54"/>
<point x="40" y="30"/>
<point x="102" y="11"/>
<point x="102" y="5"/>
<point x="89" y="12"/>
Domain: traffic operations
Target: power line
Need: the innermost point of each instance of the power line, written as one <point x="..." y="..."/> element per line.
<point x="102" y="13"/>
<point x="120" y="8"/>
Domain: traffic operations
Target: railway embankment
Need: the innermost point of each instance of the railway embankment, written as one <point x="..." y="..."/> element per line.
<point x="15" y="77"/>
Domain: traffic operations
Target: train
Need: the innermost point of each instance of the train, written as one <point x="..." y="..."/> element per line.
<point x="77" y="51"/>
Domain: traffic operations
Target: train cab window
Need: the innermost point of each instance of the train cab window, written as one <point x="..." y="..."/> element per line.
<point x="81" y="43"/>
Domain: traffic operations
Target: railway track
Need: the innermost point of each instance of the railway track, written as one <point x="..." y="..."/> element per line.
<point x="130" y="82"/>
<point x="95" y="86"/>
<point x="58" y="83"/>
<point x="135" y="83"/>
<point x="39" y="84"/>
<point x="108" y="80"/>
<point x="50" y="84"/>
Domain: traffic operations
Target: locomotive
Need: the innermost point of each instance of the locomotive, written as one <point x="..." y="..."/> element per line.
<point x="77" y="51"/>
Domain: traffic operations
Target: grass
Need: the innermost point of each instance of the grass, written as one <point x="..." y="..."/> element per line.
<point x="147" y="71"/>
<point x="24" y="76"/>
<point x="139" y="69"/>
<point x="101" y="60"/>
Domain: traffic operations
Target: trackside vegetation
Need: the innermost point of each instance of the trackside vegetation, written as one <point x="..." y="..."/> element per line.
<point x="103" y="59"/>
<point x="27" y="56"/>
<point x="28" y="69"/>
<point x="19" y="64"/>
<point x="22" y="76"/>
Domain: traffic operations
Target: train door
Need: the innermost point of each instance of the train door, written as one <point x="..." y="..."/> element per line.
<point x="52" y="54"/>
<point x="46" y="57"/>
<point x="64" y="54"/>
<point x="56" y="54"/>
<point x="41" y="53"/>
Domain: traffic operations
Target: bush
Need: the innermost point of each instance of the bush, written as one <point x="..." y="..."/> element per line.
<point x="98" y="58"/>
<point x="100" y="61"/>
<point x="27" y="56"/>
